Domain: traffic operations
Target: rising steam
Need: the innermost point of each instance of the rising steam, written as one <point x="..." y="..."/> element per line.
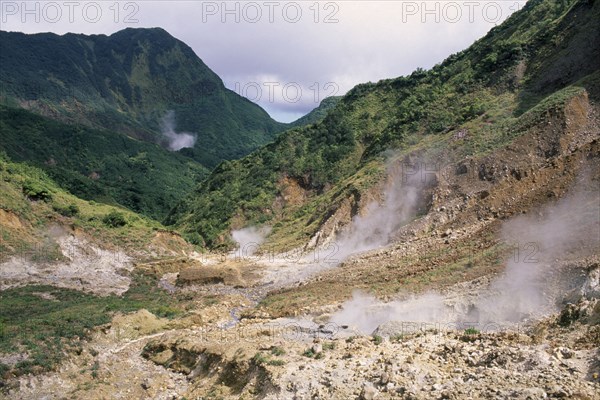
<point x="376" y="227"/>
<point x="176" y="141"/>
<point x="532" y="284"/>
<point x="380" y="221"/>
<point x="249" y="239"/>
<point x="365" y="313"/>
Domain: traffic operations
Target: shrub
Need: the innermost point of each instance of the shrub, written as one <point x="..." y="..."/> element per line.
<point x="277" y="351"/>
<point x="397" y="338"/>
<point x="114" y="219"/>
<point x="166" y="312"/>
<point x="328" y="346"/>
<point x="377" y="339"/>
<point x="35" y="191"/>
<point x="95" y="369"/>
<point x="470" y="335"/>
<point x="471" y="331"/>
<point x="67" y="211"/>
<point x="194" y="238"/>
<point x="309" y="353"/>
<point x="259" y="359"/>
<point x="4" y="368"/>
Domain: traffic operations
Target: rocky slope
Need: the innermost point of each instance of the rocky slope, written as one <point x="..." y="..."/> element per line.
<point x="555" y="357"/>
<point x="464" y="264"/>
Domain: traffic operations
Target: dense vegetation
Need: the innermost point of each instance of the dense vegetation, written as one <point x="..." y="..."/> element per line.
<point x="318" y="114"/>
<point x="126" y="82"/>
<point x="100" y="165"/>
<point x="542" y="49"/>
<point x="30" y="194"/>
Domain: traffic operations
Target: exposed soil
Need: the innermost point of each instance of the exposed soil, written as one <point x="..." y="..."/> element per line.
<point x="261" y="328"/>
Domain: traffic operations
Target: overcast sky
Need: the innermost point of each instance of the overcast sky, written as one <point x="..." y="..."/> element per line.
<point x="285" y="55"/>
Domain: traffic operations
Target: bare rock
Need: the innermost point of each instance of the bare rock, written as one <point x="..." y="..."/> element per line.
<point x="368" y="392"/>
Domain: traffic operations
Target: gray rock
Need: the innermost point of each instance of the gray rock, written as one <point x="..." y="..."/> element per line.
<point x="591" y="287"/>
<point x="533" y="394"/>
<point x="393" y="328"/>
<point x="368" y="392"/>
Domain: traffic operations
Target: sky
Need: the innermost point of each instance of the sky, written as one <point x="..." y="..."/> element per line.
<point x="285" y="56"/>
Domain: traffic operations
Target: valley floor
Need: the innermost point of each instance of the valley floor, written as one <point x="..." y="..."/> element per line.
<point x="227" y="344"/>
<point x="494" y="293"/>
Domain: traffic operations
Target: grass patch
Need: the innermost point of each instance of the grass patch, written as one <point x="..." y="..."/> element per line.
<point x="397" y="338"/>
<point x="471" y="331"/>
<point x="328" y="346"/>
<point x="262" y="359"/>
<point x="310" y="353"/>
<point x="259" y="359"/>
<point x="470" y="335"/>
<point x="277" y="351"/>
<point x="377" y="340"/>
<point x="45" y="322"/>
<point x="20" y="182"/>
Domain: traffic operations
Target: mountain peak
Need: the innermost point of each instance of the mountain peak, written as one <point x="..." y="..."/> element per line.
<point x="128" y="82"/>
<point x="143" y="33"/>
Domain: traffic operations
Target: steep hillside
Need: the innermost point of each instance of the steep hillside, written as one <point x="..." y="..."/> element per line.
<point x="81" y="254"/>
<point x="127" y="82"/>
<point x="318" y="114"/>
<point x="489" y="94"/>
<point x="35" y="211"/>
<point x="98" y="164"/>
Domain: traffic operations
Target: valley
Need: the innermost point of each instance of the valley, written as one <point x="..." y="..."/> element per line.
<point x="431" y="236"/>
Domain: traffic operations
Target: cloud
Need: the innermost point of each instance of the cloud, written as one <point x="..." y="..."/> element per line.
<point x="342" y="42"/>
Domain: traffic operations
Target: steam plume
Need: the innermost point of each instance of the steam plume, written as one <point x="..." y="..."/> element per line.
<point x="176" y="141"/>
<point x="531" y="285"/>
<point x="249" y="239"/>
<point x="376" y="227"/>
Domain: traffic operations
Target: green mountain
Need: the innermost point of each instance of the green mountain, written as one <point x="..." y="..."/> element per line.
<point x="128" y="82"/>
<point x="31" y="203"/>
<point x="100" y="165"/>
<point x="319" y="113"/>
<point x="521" y="70"/>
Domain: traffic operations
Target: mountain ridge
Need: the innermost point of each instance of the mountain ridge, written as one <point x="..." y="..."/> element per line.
<point x="317" y="114"/>
<point x="127" y="82"/>
<point x="484" y="89"/>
